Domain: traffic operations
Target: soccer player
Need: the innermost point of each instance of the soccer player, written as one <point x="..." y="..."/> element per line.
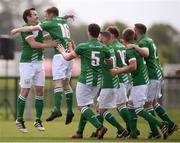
<point x="138" y="69"/>
<point x="31" y="70"/>
<point x="156" y="77"/>
<point x="122" y="99"/>
<point x="110" y="90"/>
<point x="92" y="54"/>
<point x="58" y="29"/>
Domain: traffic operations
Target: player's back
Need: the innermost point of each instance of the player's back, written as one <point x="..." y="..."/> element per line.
<point x="92" y="54"/>
<point x="58" y="29"/>
<point x="120" y="52"/>
<point x="154" y="68"/>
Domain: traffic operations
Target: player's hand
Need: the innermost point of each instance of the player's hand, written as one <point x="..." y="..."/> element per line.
<point x="71" y="16"/>
<point x="130" y="46"/>
<point x="14" y="31"/>
<point x="114" y="71"/>
<point x="53" y="43"/>
<point x="60" y="48"/>
<point x="71" y="45"/>
<point x="177" y="71"/>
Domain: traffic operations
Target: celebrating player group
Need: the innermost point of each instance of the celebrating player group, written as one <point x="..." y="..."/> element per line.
<point x="124" y="73"/>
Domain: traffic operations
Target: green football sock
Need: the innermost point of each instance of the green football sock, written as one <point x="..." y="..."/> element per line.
<point x="148" y="117"/>
<point x="39" y="106"/>
<point x="69" y="99"/>
<point x="152" y="126"/>
<point x="162" y="114"/>
<point x="111" y="119"/>
<point x="57" y="99"/>
<point x="20" y="107"/>
<point x="124" y="113"/>
<point x="100" y="118"/>
<point x="82" y="124"/>
<point x="91" y="117"/>
<point x="133" y="120"/>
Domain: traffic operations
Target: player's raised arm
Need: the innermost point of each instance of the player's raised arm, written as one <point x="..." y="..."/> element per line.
<point x="25" y="29"/>
<point x="67" y="56"/>
<point x="69" y="16"/>
<point x="127" y="69"/>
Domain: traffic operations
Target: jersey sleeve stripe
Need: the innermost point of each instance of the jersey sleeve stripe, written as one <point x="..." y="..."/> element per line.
<point x="132" y="59"/>
<point x="29" y="36"/>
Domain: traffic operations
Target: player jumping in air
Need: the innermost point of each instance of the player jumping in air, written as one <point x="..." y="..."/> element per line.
<point x="58" y="29"/>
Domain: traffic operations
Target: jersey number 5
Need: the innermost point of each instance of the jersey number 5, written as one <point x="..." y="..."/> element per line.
<point x="65" y="30"/>
<point x="95" y="61"/>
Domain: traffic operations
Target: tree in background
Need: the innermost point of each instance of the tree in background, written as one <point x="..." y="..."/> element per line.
<point x="79" y="33"/>
<point x="165" y="36"/>
<point x="167" y="41"/>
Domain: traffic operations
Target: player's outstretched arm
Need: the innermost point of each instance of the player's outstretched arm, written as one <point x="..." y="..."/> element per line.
<point x="127" y="69"/>
<point x="67" y="56"/>
<point x="25" y="29"/>
<point x="144" y="51"/>
<point x="34" y="44"/>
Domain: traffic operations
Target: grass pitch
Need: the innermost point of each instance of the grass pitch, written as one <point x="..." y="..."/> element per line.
<point x="57" y="131"/>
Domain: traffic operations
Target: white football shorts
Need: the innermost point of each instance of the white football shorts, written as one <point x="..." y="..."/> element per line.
<point x="61" y="69"/>
<point x="32" y="74"/>
<point x="138" y="95"/>
<point x="85" y="94"/>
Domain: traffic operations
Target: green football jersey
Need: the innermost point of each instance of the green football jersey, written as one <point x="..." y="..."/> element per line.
<point x="152" y="61"/>
<point x="110" y="81"/>
<point x="30" y="54"/>
<point x="120" y="53"/>
<point x="92" y="54"/>
<point x="58" y="29"/>
<point x="140" y="75"/>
